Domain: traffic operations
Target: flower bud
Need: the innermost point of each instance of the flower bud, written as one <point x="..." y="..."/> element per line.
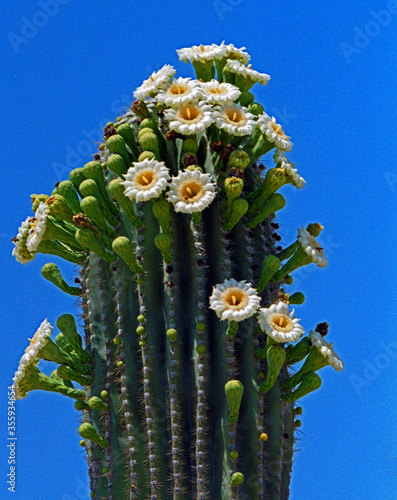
<point x="116" y="145"/>
<point x="96" y="403"/>
<point x="239" y="208"/>
<point x="270" y="266"/>
<point x="77" y="176"/>
<point x="116" y="190"/>
<point x="68" y="191"/>
<point x="275" y="360"/>
<point x="239" y="159"/>
<point x="122" y="247"/>
<point x="236" y="479"/>
<point x="116" y="164"/>
<point x="310" y="383"/>
<point x="163" y="243"/>
<point x="297" y="298"/>
<point x="51" y="273"/>
<point x="87" y="431"/>
<point x="234" y="393"/>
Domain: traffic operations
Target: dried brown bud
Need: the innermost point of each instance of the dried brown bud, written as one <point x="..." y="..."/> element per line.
<point x="322" y="329"/>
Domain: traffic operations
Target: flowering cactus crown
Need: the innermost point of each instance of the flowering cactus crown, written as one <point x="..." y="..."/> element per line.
<point x="185" y="390"/>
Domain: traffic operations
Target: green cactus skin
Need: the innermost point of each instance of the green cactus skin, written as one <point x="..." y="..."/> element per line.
<point x="156" y="359"/>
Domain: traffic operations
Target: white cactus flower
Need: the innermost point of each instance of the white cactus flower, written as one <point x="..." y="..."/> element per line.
<point x="312" y="248"/>
<point x="180" y="91"/>
<point x="146" y="179"/>
<point x="38" y="225"/>
<point x="191" y="191"/>
<point x="190" y="119"/>
<point x="158" y="80"/>
<point x="219" y="93"/>
<point x="39" y="340"/>
<point x="31" y="355"/>
<point x="202" y="53"/>
<point x="274" y="132"/>
<point x="234" y="300"/>
<point x="247" y="72"/>
<point x="20" y="251"/>
<point x="283" y="162"/>
<point x="326" y="350"/>
<point x="233" y="52"/>
<point x="279" y="323"/>
<point x="235" y="119"/>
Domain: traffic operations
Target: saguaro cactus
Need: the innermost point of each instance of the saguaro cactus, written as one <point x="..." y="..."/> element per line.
<point x="183" y="363"/>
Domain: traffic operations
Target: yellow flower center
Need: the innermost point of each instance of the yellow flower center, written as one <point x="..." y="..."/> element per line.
<point x="216" y="89"/>
<point x="278" y="130"/>
<point x="145" y="178"/>
<point x="235" y="298"/>
<point x="235" y="117"/>
<point x="281" y="322"/>
<point x="191" y="191"/>
<point x="189" y="113"/>
<point x="178" y="89"/>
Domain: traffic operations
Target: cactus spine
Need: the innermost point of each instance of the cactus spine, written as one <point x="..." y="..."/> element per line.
<point x="188" y="333"/>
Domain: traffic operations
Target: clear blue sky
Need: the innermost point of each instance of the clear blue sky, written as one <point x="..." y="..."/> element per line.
<point x="333" y="88"/>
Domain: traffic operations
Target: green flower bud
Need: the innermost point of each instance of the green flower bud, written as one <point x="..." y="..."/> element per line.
<point x="239" y="159"/>
<point x="172" y="334"/>
<point x="233" y="188"/>
<point x="87" y="239"/>
<point x="297" y="298"/>
<point x="149" y="123"/>
<point x="234" y="455"/>
<point x="58" y="207"/>
<point x="275" y="360"/>
<point x="256" y="109"/>
<point x="141" y="330"/>
<point x="116" y="190"/>
<point x="116" y="145"/>
<point x="297" y="423"/>
<point x="122" y="247"/>
<point x="105" y="470"/>
<point x="146" y="155"/>
<point x="201" y="349"/>
<point x="163" y="243"/>
<point x="149" y="142"/>
<point x="116" y="164"/>
<point x="190" y="145"/>
<point x="117" y="341"/>
<point x="161" y="210"/>
<point x="82" y="442"/>
<point x="127" y="134"/>
<point x="310" y="383"/>
<point x="142" y="343"/>
<point x="275" y="178"/>
<point x="91" y="207"/>
<point x="145" y="130"/>
<point x="239" y="208"/>
<point x="234" y="393"/>
<point x="37" y="199"/>
<point x="298" y="410"/>
<point x="236" y="479"/>
<point x="315" y="229"/>
<point x="77" y="176"/>
<point x="298" y="352"/>
<point x="104" y="394"/>
<point x="90" y="188"/>
<point x="68" y="191"/>
<point x="96" y="403"/>
<point x="93" y="170"/>
<point x="67" y="326"/>
<point x="141" y="318"/>
<point x="200" y="327"/>
<point x="65" y="372"/>
<point x="120" y="364"/>
<point x="270" y="266"/>
<point x="246" y="98"/>
<point x="51" y="273"/>
<point x="274" y="203"/>
<point x="55" y="248"/>
<point x="263" y="437"/>
<point x="87" y="431"/>
<point x="192" y="168"/>
<point x="81" y="405"/>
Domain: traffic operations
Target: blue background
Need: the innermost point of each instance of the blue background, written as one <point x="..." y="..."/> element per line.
<point x="333" y="89"/>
